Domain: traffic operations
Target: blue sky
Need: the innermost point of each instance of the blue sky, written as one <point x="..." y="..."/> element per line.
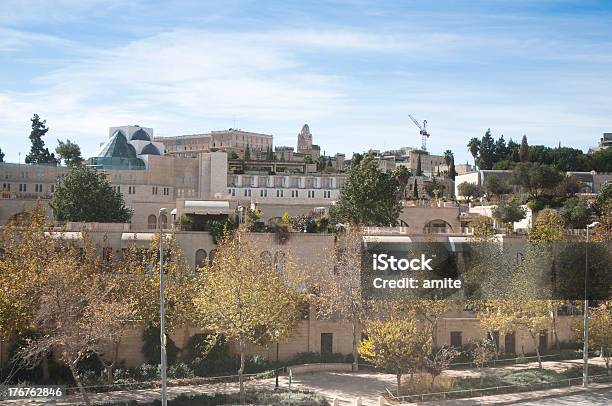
<point x="352" y="70"/>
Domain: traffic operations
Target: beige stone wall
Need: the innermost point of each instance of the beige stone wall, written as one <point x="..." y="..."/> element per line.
<point x="417" y="217"/>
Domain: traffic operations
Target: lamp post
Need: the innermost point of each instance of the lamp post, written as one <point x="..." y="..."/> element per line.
<point x="585" y="350"/>
<point x="162" y="312"/>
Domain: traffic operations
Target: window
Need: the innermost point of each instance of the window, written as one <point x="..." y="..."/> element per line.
<point x="152" y="222"/>
<point x="327" y="345"/>
<point x="23" y="187"/>
<point x="279" y="193"/>
<point x="52" y="188"/>
<point x="154" y="190"/>
<point x="295" y="193"/>
<point x="131" y="190"/>
<point x="38" y="187"/>
<point x="263" y="193"/>
<point x="311" y="194"/>
<point x="327" y="194"/>
<point x="166" y="191"/>
<point x="455" y="339"/>
<point x="247" y="192"/>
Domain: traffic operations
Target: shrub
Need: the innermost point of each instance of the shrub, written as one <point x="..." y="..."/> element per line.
<point x="151" y="348"/>
<point x="148" y="372"/>
<point x="207" y="361"/>
<point x="180" y="370"/>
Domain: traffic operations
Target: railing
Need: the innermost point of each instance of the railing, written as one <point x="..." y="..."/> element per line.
<point x="467" y="393"/>
<point x="24" y="195"/>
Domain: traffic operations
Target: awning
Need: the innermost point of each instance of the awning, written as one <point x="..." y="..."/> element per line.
<point x="65" y="235"/>
<point x="140" y="239"/>
<point x="207" y="207"/>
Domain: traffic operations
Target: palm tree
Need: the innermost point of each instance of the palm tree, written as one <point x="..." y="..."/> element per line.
<point x="448" y="157"/>
<point x="474" y="148"/>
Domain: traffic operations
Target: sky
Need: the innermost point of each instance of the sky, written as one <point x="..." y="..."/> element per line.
<point x="353" y="70"/>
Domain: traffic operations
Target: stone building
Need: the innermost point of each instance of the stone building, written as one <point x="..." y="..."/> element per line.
<point x="305" y="145"/>
<point x="231" y="140"/>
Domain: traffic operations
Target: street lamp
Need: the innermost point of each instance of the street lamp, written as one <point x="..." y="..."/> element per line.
<point x="585" y="350"/>
<point x="162" y="312"/>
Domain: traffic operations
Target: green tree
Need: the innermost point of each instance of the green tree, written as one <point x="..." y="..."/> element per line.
<point x="495" y="186"/>
<point x="500" y="151"/>
<point x="469" y="190"/>
<point x="416" y="190"/>
<point x="474" y="148"/>
<point x="513" y="151"/>
<point x="604" y="198"/>
<point x="369" y="196"/>
<point x="85" y="195"/>
<point x="38" y="153"/>
<point x="448" y="157"/>
<point x="452" y="172"/>
<point x="482" y="351"/>
<point x="575" y="213"/>
<point x="601" y="161"/>
<point x="536" y="178"/>
<point x="69" y="152"/>
<point x="508" y="212"/>
<point x="232" y="155"/>
<point x="600" y="330"/>
<point x="1" y="155"/>
<point x="486" y="157"/>
<point x="523" y="152"/>
<point x="308" y="159"/>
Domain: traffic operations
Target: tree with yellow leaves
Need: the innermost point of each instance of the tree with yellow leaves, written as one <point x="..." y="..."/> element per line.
<point x="339" y="284"/>
<point x="247" y="298"/>
<point x="600" y="330"/>
<point x="397" y="344"/>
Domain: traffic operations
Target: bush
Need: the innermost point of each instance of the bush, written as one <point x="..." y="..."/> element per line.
<point x="180" y="370"/>
<point x="151" y="348"/>
<point x="207" y="362"/>
<point x="148" y="372"/>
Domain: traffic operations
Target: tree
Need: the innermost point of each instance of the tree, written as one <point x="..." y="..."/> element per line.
<point x="448" y="157"/>
<point x="247" y="153"/>
<point x="369" y="196"/>
<point x="75" y="315"/>
<point x="474" y="148"/>
<point x="523" y="152"/>
<point x="416" y="190"/>
<point x="600" y="330"/>
<point x="508" y="212"/>
<point x="398" y="345"/>
<point x="452" y="172"/>
<point x="604" y="198"/>
<point x="513" y="151"/>
<point x="38" y="153"/>
<point x="244" y="297"/>
<point x="402" y="175"/>
<point x="469" y="190"/>
<point x="569" y="186"/>
<point x="601" y="161"/>
<point x="419" y="170"/>
<point x="85" y="195"/>
<point x="440" y="362"/>
<point x="1" y="155"/>
<point x="486" y="156"/>
<point x="482" y="351"/>
<point x="308" y="159"/>
<point x="434" y="188"/>
<point x="548" y="227"/>
<point x="232" y="155"/>
<point x="69" y="152"/>
<point x="575" y="213"/>
<point x="500" y="151"/>
<point x="495" y="186"/>
<point x="339" y="284"/>
<point x="535" y="178"/>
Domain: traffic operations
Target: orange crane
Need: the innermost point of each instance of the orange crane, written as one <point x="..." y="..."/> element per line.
<point x="423" y="131"/>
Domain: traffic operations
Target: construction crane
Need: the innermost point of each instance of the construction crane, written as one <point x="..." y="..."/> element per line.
<point x="423" y="131"/>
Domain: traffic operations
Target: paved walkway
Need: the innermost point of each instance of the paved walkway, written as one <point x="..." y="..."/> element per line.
<point x="345" y="386"/>
<point x="596" y="394"/>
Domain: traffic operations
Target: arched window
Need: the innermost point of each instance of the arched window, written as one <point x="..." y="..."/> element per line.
<point x="211" y="256"/>
<point x="151" y="222"/>
<point x="164" y="221"/>
<point x="437" y="227"/>
<point x="200" y="258"/>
